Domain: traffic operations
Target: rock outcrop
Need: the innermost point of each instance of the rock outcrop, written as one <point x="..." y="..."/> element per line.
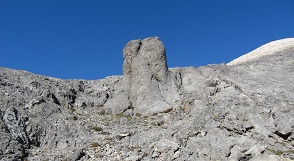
<point x="235" y="112"/>
<point x="151" y="86"/>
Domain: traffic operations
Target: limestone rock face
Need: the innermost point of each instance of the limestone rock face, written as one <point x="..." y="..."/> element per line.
<point x="145" y="70"/>
<point x="235" y="112"/>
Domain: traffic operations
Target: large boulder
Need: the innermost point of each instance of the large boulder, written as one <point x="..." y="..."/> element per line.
<point x="151" y="87"/>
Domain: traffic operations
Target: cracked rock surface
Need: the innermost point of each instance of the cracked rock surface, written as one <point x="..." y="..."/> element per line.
<point x="241" y="112"/>
<point x="151" y="85"/>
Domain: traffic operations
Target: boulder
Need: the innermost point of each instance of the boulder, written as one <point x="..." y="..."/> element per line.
<point x="151" y="87"/>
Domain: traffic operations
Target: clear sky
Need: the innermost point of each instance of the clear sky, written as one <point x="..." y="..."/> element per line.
<point x="75" y="39"/>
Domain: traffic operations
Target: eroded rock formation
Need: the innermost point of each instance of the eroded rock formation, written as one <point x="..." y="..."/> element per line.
<point x="151" y="86"/>
<point x="235" y="112"/>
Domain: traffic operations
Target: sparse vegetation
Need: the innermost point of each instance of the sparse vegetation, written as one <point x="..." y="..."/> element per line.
<point x="98" y="129"/>
<point x="216" y="117"/>
<point x="109" y="139"/>
<point x="104" y="133"/>
<point x="119" y="115"/>
<point x="281" y="152"/>
<point x="138" y="114"/>
<point x="101" y="112"/>
<point x="162" y="126"/>
<point x="95" y="144"/>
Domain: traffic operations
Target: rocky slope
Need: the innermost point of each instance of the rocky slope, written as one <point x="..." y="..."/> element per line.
<point x="240" y="111"/>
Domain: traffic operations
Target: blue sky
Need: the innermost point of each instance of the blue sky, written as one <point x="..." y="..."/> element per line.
<point x="74" y="39"/>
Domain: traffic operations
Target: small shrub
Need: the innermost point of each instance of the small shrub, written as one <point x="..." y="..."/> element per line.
<point x="280" y="152"/>
<point x="129" y="118"/>
<point x="133" y="148"/>
<point x="97" y="129"/>
<point x="119" y="115"/>
<point x="217" y="117"/>
<point x="109" y="139"/>
<point x="94" y="145"/>
<point x="156" y="77"/>
<point x="104" y="133"/>
<point x="72" y="109"/>
<point x="138" y="115"/>
<point x="102" y="112"/>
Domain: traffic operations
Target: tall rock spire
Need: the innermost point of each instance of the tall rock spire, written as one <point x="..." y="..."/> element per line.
<point x="151" y="88"/>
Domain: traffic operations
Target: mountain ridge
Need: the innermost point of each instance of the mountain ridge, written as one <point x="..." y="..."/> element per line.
<point x="265" y="50"/>
<point x="217" y="112"/>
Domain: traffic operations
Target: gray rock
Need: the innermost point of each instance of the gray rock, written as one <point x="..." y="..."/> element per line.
<point x="16" y="126"/>
<point x="165" y="145"/>
<point x="151" y="87"/>
<point x="267" y="158"/>
<point x="221" y="112"/>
